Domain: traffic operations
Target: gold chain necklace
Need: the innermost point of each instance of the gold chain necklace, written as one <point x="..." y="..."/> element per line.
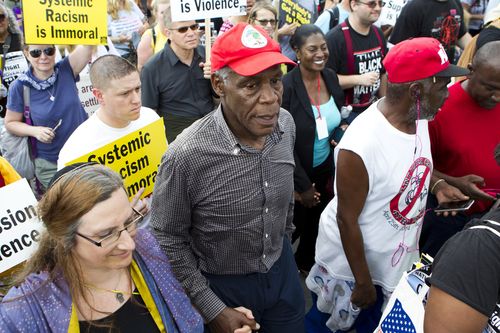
<point x="118" y="293"/>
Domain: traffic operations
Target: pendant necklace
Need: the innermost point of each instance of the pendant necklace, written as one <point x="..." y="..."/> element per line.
<point x="52" y="98"/>
<point x="119" y="294"/>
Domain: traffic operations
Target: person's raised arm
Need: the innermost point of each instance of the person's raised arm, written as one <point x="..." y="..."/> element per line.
<point x="80" y="57"/>
<point x="144" y="50"/>
<point x="352" y="190"/>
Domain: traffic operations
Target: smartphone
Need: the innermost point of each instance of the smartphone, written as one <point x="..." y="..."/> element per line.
<point x="454" y="206"/>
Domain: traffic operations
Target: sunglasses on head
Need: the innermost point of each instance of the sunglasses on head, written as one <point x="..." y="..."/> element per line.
<point x="182" y="30"/>
<point x="2" y="17"/>
<point x="49" y="51"/>
<point x="373" y="4"/>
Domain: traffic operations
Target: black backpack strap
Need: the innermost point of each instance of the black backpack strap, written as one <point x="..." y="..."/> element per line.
<point x="334" y="17"/>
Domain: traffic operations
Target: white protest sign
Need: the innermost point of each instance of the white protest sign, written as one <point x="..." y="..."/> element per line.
<point x="390" y="12"/>
<point x="20" y="228"/>
<point x="15" y="65"/>
<point x="188" y="10"/>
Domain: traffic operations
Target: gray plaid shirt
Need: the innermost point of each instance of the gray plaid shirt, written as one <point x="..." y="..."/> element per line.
<point x="223" y="208"/>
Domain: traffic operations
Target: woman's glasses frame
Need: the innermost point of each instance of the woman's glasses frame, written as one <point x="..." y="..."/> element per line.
<point x="49" y="51"/>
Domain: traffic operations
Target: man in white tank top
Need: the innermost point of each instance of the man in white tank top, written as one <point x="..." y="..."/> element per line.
<point x="368" y="233"/>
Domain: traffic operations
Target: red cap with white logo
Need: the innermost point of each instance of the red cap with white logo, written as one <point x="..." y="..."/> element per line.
<point x="419" y="58"/>
<point x="247" y="50"/>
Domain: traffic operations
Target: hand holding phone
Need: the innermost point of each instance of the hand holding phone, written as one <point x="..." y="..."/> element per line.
<point x="454" y="206"/>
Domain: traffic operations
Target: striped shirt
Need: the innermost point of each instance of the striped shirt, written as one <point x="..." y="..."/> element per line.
<point x="220" y="207"/>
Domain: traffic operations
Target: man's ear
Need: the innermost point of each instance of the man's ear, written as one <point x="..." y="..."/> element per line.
<point x="217" y="84"/>
<point x="415" y="90"/>
<point x="98" y="95"/>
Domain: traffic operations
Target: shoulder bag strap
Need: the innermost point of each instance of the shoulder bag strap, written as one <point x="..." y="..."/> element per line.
<point x="349" y="93"/>
<point x="379" y="38"/>
<point x="6" y="47"/>
<point x="27" y="119"/>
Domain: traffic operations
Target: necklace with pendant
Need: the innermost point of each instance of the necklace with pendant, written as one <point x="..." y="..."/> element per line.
<point x="119" y="294"/>
<point x="52" y="98"/>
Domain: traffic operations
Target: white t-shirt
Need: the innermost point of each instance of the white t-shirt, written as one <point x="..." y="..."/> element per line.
<point x="398" y="186"/>
<point x="94" y="133"/>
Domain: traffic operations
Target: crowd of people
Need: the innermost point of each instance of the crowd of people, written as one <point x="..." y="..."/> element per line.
<point x="295" y="151"/>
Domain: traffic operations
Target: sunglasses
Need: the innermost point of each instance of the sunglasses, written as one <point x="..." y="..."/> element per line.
<point x="266" y="22"/>
<point x="373" y="4"/>
<point x="49" y="51"/>
<point x="182" y="30"/>
<point x="2" y="17"/>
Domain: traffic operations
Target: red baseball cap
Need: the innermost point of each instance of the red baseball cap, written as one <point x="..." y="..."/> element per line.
<point x="247" y="50"/>
<point x="419" y="58"/>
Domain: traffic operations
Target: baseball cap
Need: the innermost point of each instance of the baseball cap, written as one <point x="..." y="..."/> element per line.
<point x="247" y="50"/>
<point x="419" y="58"/>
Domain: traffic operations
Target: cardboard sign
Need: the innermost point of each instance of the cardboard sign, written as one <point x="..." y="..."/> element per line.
<point x="72" y="22"/>
<point x="136" y="157"/>
<point x="188" y="10"/>
<point x="300" y="11"/>
<point x="390" y="12"/>
<point x="20" y="228"/>
<point x="15" y="65"/>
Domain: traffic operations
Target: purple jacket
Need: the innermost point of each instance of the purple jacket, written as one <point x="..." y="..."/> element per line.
<point x="38" y="306"/>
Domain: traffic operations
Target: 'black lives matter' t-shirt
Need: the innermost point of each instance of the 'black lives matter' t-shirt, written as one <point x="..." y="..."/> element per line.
<point x="367" y="58"/>
<point x="431" y="18"/>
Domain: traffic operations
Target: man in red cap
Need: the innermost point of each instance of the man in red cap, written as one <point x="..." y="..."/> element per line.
<point x="223" y="200"/>
<point x="368" y="233"/>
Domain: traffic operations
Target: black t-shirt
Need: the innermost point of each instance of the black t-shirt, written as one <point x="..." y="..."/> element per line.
<point x="132" y="317"/>
<point x="367" y="58"/>
<point x="468" y="268"/>
<point x="431" y="18"/>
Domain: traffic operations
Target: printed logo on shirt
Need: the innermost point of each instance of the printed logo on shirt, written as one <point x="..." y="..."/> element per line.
<point x="494" y="322"/>
<point x="446" y="28"/>
<point x="253" y="39"/>
<point x="408" y="206"/>
<point x="367" y="61"/>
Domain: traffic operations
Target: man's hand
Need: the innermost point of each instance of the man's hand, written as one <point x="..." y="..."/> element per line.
<point x="311" y="197"/>
<point x="368" y="79"/>
<point x="469" y="186"/>
<point x="448" y="193"/>
<point x="364" y="295"/>
<point x="140" y="205"/>
<point x="206" y="69"/>
<point x="231" y="320"/>
<point x="248" y="313"/>
<point x="288" y="29"/>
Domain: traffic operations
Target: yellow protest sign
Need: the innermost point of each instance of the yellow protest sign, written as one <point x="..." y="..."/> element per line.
<point x="135" y="156"/>
<point x="65" y="22"/>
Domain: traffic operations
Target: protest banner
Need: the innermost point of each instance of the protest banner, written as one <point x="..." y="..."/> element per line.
<point x="297" y="11"/>
<point x="87" y="98"/>
<point x="136" y="157"/>
<point x="390" y="12"/>
<point x="188" y="10"/>
<point x="20" y="228"/>
<point x="70" y="22"/>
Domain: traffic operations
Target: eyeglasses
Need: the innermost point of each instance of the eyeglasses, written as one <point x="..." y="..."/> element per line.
<point x="49" y="51"/>
<point x="182" y="30"/>
<point x="373" y="4"/>
<point x="2" y="17"/>
<point x="113" y="237"/>
<point x="266" y="22"/>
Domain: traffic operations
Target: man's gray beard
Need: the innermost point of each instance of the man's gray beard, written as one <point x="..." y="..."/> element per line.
<point x="425" y="111"/>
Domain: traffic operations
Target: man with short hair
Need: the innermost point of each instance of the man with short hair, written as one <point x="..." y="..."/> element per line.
<point x="368" y="233"/>
<point x="463" y="137"/>
<point x="223" y="199"/>
<point x="173" y="81"/>
<point x="357" y="48"/>
<point x="117" y="88"/>
<point x="440" y="19"/>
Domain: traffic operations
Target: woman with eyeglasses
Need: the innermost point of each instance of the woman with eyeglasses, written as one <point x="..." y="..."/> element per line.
<point x="54" y="105"/>
<point x="234" y="20"/>
<point x="264" y="15"/>
<point x="94" y="269"/>
<point x="312" y="94"/>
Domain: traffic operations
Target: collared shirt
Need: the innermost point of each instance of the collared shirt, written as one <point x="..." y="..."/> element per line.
<point x="221" y="207"/>
<point x="174" y="88"/>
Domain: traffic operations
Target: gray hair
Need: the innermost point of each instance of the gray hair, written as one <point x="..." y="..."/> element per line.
<point x="13" y="25"/>
<point x="223" y="73"/>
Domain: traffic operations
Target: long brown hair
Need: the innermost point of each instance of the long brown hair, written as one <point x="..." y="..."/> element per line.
<point x="70" y="197"/>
